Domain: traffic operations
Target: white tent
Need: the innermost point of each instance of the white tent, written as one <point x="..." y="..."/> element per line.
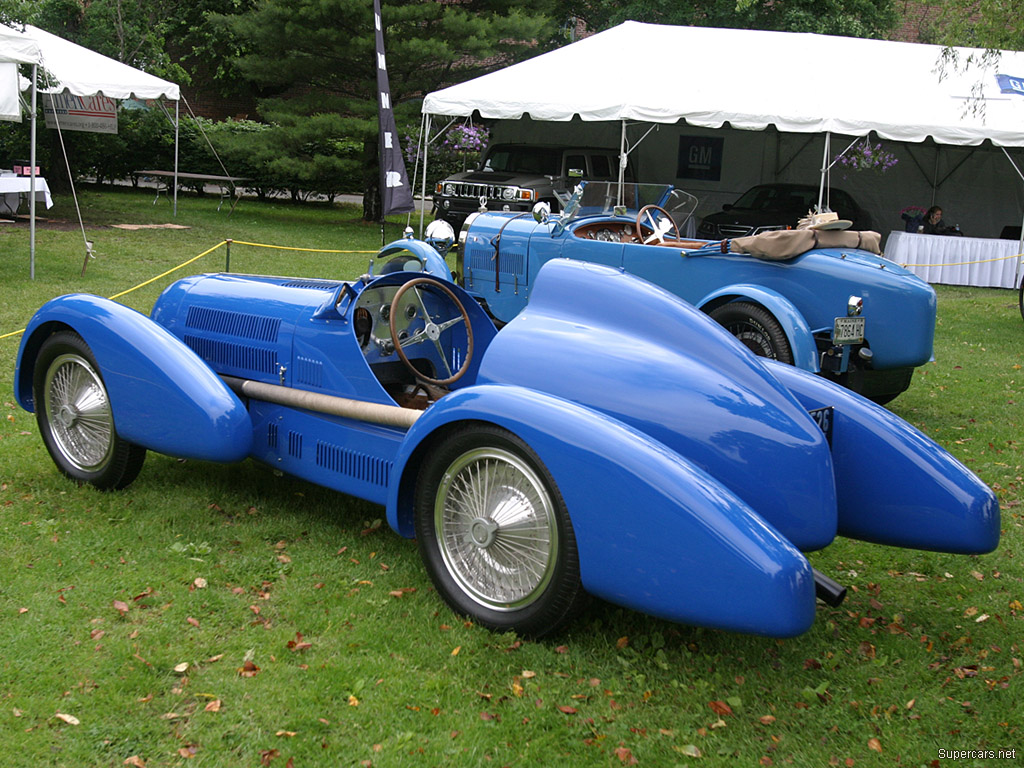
<point x="801" y="83"/>
<point x="15" y="49"/>
<point x="80" y="72"/>
<point x="768" y="94"/>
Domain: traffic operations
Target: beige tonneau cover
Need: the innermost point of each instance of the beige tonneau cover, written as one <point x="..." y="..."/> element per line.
<point x="782" y="244"/>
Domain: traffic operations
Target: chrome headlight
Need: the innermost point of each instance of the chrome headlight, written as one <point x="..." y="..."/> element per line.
<point x="449" y="189"/>
<point x="508" y="193"/>
<point x="854" y="306"/>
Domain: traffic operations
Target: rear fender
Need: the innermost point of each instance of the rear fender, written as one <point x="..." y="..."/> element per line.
<point x="162" y="395"/>
<point x="654" y="532"/>
<point x="798" y="332"/>
<point x="895" y="485"/>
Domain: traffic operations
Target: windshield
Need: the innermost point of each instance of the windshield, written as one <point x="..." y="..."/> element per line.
<point x="599" y="198"/>
<point x="538" y="161"/>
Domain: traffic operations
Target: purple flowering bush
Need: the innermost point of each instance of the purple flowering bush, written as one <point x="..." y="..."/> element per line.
<point x="865" y="156"/>
<point x="457" y="149"/>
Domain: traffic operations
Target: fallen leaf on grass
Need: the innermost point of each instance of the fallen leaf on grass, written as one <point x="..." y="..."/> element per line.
<point x="267" y="755"/>
<point x="183" y="667"/>
<point x="625" y="756"/>
<point x="720" y="708"/>
<point x="567" y="710"/>
<point x="213" y="706"/>
<point x="298" y="644"/>
<point x="69" y="719"/>
<point x="135" y="761"/>
<point x="767" y="719"/>
<point x="353" y="701"/>
<point x="875" y="744"/>
<point x="200" y="583"/>
<point x="248" y="669"/>
<point x="121" y="607"/>
<point x="188" y="751"/>
<point x="286" y="734"/>
<point x="193" y="622"/>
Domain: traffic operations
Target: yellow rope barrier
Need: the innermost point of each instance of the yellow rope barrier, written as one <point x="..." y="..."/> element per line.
<point x="143" y="285"/>
<point x="963" y="263"/>
<point x="169" y="271"/>
<point x="201" y="255"/>
<point x="291" y="248"/>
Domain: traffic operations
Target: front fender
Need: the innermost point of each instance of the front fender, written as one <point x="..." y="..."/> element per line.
<point x="894" y="485"/>
<point x="162" y="395"/>
<point x="654" y="532"/>
<point x="798" y="332"/>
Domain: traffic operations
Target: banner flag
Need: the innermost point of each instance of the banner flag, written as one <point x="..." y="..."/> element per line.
<point x="1009" y="84"/>
<point x="395" y="192"/>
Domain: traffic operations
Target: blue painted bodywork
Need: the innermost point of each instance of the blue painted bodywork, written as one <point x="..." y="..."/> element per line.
<point x="502" y="254"/>
<point x="694" y="475"/>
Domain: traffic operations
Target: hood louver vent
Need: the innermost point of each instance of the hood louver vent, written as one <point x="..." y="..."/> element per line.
<point x="317" y="285"/>
<point x="238" y="324"/>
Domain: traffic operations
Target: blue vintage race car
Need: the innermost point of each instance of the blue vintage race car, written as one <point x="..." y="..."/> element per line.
<point x="823" y="301"/>
<point x="610" y="440"/>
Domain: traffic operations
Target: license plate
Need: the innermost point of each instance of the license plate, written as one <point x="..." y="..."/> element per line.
<point x="848" y="330"/>
<point x="823" y="418"/>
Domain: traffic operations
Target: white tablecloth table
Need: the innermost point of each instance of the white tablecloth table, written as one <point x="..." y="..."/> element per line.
<point x="950" y="260"/>
<point x="12" y="188"/>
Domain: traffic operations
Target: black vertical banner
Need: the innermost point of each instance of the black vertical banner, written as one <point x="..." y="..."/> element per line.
<point x="395" y="193"/>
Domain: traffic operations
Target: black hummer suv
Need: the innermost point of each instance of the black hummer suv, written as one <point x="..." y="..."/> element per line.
<point x="512" y="177"/>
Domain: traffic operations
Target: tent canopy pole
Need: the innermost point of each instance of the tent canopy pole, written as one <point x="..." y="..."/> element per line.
<point x="177" y="122"/>
<point x="32" y="183"/>
<point x="425" y="142"/>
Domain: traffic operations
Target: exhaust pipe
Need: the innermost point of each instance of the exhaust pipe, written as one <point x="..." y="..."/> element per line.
<point x="374" y="413"/>
<point x="828" y="590"/>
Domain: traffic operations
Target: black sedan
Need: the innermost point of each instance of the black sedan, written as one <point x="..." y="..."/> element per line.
<point x="777" y="206"/>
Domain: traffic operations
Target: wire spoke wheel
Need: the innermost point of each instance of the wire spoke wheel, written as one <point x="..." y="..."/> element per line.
<point x="496" y="528"/>
<point x="494" y="532"/>
<point x="75" y="416"/>
<point x="78" y="412"/>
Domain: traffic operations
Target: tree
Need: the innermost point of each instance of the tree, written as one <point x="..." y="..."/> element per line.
<point x="853" y="18"/>
<point x="992" y="24"/>
<point x="316" y="59"/>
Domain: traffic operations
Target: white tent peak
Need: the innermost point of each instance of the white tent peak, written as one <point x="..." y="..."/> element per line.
<point x="82" y="72"/>
<point x="750" y="79"/>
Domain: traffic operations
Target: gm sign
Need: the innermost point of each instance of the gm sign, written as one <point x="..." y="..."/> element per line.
<point x="1009" y="84"/>
<point x="700" y="157"/>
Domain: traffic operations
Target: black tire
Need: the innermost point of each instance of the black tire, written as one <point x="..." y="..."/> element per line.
<point x="756" y="328"/>
<point x="1020" y="299"/>
<point x="75" y="419"/>
<point x="520" y="572"/>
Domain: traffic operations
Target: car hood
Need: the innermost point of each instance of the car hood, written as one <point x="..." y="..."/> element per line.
<point x="753" y="217"/>
<point x="493" y="177"/>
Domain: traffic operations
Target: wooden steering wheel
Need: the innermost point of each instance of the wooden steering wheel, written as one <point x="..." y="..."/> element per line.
<point x="432" y="330"/>
<point x="649" y="212"/>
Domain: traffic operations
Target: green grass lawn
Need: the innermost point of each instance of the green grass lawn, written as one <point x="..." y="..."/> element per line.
<point x="217" y="615"/>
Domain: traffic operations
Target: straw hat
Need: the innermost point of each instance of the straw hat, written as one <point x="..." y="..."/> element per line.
<point x="820" y="221"/>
